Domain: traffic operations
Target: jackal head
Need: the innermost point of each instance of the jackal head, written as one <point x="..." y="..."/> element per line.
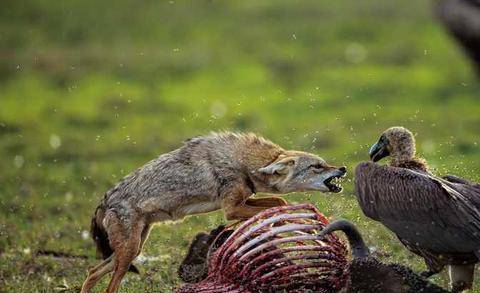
<point x="299" y="171"/>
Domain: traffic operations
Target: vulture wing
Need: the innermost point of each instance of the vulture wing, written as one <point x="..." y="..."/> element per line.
<point x="430" y="212"/>
<point x="462" y="183"/>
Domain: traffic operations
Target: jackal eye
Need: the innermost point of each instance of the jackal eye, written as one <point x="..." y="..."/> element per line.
<point x="317" y="166"/>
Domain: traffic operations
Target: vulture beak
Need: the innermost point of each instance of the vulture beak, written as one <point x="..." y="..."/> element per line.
<point x="379" y="150"/>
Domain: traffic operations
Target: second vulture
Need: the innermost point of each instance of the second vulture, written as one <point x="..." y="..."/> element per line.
<point x="435" y="218"/>
<point x="462" y="19"/>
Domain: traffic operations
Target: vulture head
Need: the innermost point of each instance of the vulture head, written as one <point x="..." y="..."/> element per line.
<point x="396" y="142"/>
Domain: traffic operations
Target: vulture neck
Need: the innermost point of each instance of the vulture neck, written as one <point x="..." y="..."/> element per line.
<point x="413" y="163"/>
<point x="404" y="156"/>
<point x="358" y="247"/>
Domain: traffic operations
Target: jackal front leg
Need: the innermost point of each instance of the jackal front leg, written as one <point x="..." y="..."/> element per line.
<point x="241" y="211"/>
<point x="238" y="206"/>
<point x="267" y="202"/>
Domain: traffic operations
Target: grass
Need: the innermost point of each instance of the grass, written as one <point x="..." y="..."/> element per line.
<point x="91" y="90"/>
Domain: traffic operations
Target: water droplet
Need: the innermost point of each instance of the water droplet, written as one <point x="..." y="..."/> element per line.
<point x="55" y="141"/>
<point x="18" y="161"/>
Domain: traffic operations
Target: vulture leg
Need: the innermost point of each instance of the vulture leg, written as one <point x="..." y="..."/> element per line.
<point x="461" y="277"/>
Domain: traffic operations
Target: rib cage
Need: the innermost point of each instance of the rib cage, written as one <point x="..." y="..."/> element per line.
<point x="277" y="250"/>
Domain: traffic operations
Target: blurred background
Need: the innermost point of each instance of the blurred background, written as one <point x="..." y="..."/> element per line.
<point x="90" y="90"/>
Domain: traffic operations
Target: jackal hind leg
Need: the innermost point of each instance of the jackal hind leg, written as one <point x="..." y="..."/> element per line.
<point x="96" y="273"/>
<point x="100" y="265"/>
<point x="144" y="236"/>
<point x="125" y="240"/>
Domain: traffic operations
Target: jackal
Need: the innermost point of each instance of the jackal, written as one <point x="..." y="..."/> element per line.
<point x="216" y="171"/>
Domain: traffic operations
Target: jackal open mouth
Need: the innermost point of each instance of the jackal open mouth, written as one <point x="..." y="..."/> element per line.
<point x="334" y="186"/>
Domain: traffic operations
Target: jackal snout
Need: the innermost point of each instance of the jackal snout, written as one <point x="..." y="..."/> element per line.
<point x="299" y="171"/>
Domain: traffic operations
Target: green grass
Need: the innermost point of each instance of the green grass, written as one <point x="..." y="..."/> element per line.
<point x="91" y="90"/>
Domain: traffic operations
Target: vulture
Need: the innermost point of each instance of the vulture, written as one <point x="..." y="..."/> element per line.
<point x="435" y="218"/>
<point x="461" y="18"/>
<point x="368" y="274"/>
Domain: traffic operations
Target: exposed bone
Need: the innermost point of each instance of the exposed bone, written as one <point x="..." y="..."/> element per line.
<point x="277" y="250"/>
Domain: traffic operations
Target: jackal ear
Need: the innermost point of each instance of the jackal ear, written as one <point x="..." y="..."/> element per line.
<point x="281" y="167"/>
